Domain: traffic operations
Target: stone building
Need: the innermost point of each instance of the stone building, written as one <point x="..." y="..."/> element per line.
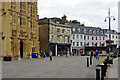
<point x="55" y="35"/>
<point x="94" y="39"/>
<point x="77" y="39"/>
<point x="19" y="29"/>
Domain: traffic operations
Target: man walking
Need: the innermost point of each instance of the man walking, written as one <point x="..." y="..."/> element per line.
<point x="96" y="52"/>
<point x="50" y="55"/>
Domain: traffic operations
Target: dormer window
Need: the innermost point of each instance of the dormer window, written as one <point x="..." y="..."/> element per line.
<point x="84" y="30"/>
<point x="94" y="31"/>
<point x="90" y="31"/>
<point x="73" y="29"/>
<point x="101" y="32"/>
<point x="78" y="29"/>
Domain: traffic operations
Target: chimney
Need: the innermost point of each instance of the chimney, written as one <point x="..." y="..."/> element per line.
<point x="64" y="18"/>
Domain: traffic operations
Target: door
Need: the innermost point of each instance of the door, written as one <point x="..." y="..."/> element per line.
<point x="21" y="49"/>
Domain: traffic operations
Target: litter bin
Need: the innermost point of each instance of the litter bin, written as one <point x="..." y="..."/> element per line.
<point x="34" y="55"/>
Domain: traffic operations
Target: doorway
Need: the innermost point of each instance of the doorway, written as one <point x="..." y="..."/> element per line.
<point x="21" y="49"/>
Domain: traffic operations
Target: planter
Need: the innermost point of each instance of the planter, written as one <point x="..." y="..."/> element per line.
<point x="7" y="58"/>
<point x="34" y="55"/>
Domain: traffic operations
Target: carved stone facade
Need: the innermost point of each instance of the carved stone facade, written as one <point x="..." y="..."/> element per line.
<point x="19" y="29"/>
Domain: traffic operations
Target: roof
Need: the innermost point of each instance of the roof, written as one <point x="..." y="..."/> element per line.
<point x="106" y="31"/>
<point x="78" y="29"/>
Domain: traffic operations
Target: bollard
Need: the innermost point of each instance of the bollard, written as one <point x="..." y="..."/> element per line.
<point x="90" y="60"/>
<point x="105" y="67"/>
<point x="102" y="72"/>
<point x="87" y="62"/>
<point x="97" y="74"/>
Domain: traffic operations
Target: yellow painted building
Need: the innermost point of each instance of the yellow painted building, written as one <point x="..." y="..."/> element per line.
<point x="55" y="35"/>
<point x="19" y="29"/>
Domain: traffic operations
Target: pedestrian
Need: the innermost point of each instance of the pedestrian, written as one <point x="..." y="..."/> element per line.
<point x="66" y="54"/>
<point x="71" y="53"/>
<point x="41" y="54"/>
<point x="44" y="54"/>
<point x="50" y="55"/>
<point x="92" y="53"/>
<point x="97" y="57"/>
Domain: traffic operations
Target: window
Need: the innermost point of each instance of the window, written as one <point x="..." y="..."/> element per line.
<point x="84" y="30"/>
<point x="84" y="37"/>
<point x="63" y="39"/>
<point x="92" y="43"/>
<point x="58" y="39"/>
<point x="103" y="38"/>
<point x="63" y="31"/>
<point x="100" y="44"/>
<point x="11" y="3"/>
<point x="73" y="29"/>
<point x="77" y="43"/>
<point x="52" y="29"/>
<point x="96" y="44"/>
<point x="77" y="36"/>
<point x="88" y="37"/>
<point x="68" y="39"/>
<point x="73" y="43"/>
<point x="88" y="44"/>
<point x="20" y="5"/>
<point x="81" y="36"/>
<point x="92" y="38"/>
<point x="58" y="30"/>
<point x="33" y="43"/>
<point x="113" y="37"/>
<point x="73" y="36"/>
<point x="81" y="43"/>
<point x="116" y="37"/>
<point x="33" y="49"/>
<point x="100" y="38"/>
<point x="78" y="29"/>
<point x="30" y="24"/>
<point x="68" y="32"/>
<point x="52" y="38"/>
<point x="20" y="21"/>
<point x="96" y="38"/>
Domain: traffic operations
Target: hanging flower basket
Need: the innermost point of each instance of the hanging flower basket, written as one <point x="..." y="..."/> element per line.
<point x="109" y="41"/>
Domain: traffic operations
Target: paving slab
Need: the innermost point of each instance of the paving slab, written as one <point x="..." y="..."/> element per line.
<point x="60" y="67"/>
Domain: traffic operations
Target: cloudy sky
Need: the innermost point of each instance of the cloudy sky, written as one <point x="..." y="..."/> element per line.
<point x="89" y="12"/>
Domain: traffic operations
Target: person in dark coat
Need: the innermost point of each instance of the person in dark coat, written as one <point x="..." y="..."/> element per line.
<point x="92" y="53"/>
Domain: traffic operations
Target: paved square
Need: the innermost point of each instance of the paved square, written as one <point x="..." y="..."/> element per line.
<point x="60" y="67"/>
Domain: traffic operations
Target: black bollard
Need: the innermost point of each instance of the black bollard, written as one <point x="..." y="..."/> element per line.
<point x="102" y="72"/>
<point x="87" y="62"/>
<point x="90" y="60"/>
<point x="97" y="74"/>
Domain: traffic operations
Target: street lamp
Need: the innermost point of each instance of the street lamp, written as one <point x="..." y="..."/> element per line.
<point x="109" y="18"/>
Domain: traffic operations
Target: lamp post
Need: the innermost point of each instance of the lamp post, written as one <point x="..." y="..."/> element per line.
<point x="109" y="18"/>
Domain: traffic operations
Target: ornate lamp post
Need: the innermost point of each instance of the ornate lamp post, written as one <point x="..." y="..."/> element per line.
<point x="109" y="18"/>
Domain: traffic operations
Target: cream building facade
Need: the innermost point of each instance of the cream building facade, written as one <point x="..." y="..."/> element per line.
<point x="19" y="29"/>
<point x="55" y="35"/>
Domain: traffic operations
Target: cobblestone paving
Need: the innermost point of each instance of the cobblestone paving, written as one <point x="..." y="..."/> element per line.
<point x="60" y="67"/>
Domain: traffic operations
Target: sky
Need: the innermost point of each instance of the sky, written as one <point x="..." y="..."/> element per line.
<point x="90" y="12"/>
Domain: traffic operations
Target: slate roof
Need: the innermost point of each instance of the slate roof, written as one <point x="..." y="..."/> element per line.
<point x="87" y="30"/>
<point x="106" y="31"/>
